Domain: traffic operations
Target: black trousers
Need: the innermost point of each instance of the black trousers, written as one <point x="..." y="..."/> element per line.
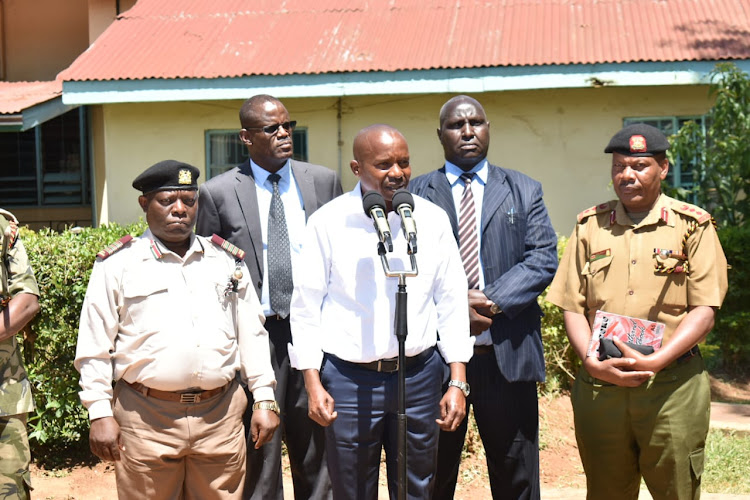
<point x="507" y="415"/>
<point x="305" y="440"/>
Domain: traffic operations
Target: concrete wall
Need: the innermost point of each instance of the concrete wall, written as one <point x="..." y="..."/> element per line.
<point x="42" y="37"/>
<point x="555" y="136"/>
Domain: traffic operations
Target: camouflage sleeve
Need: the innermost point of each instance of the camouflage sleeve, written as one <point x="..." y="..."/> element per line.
<point x="20" y="275"/>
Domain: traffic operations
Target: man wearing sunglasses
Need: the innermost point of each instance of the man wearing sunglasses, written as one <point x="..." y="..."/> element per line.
<point x="262" y="207"/>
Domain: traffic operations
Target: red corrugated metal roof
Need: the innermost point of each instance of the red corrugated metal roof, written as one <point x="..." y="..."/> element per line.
<point x="229" y="38"/>
<point x="18" y="96"/>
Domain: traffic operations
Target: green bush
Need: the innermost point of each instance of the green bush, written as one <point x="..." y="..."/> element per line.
<point x="62" y="263"/>
<point x="731" y="335"/>
<point x="560" y="359"/>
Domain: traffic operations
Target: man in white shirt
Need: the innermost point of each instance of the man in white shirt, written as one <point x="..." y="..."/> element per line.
<point x="172" y="318"/>
<point x="343" y="330"/>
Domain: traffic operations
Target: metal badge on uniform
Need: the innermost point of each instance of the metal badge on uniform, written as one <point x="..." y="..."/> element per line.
<point x="234" y="280"/>
<point x="184" y="177"/>
<point x="638" y="144"/>
<point x="670" y="261"/>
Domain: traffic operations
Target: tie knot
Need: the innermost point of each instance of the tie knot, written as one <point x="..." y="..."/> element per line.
<point x="274" y="178"/>
<point x="467" y="178"/>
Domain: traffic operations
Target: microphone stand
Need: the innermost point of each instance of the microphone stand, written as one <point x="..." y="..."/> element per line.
<point x="401" y="332"/>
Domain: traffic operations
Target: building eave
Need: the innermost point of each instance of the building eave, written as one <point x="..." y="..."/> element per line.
<point x="473" y="80"/>
<point x="34" y="115"/>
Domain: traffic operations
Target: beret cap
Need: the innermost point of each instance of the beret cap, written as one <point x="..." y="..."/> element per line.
<point x="638" y="139"/>
<point x="167" y="175"/>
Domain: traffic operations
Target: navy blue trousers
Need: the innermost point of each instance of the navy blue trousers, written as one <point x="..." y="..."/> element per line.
<point x="367" y="406"/>
<point x="507" y="416"/>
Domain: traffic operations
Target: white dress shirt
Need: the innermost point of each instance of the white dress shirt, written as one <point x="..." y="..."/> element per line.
<point x="481" y="171"/>
<point x="343" y="303"/>
<point x="294" y="212"/>
<point x="153" y="317"/>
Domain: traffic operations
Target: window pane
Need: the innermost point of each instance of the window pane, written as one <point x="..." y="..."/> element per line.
<point x="61" y="160"/>
<point x="18" y="168"/>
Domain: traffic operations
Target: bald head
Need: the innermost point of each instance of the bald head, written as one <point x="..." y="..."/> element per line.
<point x="253" y="106"/>
<point x="381" y="160"/>
<point x="373" y="137"/>
<point x="448" y="108"/>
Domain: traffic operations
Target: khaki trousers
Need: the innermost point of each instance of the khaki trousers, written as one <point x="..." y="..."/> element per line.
<point x="180" y="451"/>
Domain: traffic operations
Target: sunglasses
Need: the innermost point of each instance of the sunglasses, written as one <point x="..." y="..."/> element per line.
<point x="274" y="129"/>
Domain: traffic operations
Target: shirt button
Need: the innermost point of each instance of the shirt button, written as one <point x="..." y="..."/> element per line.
<point x="630" y="292"/>
<point x="632" y="261"/>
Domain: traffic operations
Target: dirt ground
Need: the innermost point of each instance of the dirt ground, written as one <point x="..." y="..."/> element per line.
<point x="560" y="466"/>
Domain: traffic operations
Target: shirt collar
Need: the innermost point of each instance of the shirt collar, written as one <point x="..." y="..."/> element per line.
<point x="453" y="172"/>
<point x="660" y="211"/>
<point x="261" y="175"/>
<point x="158" y="248"/>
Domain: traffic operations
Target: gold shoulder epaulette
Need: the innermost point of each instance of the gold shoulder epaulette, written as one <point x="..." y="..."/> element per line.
<point x="596" y="209"/>
<point x="11" y="232"/>
<point x="233" y="250"/>
<point x="692" y="211"/>
<point x="114" y="247"/>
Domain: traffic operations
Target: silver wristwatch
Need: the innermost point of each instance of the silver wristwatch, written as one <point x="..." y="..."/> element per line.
<point x="464" y="386"/>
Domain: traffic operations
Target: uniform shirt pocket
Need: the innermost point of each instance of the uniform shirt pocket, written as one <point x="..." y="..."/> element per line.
<point x="145" y="302"/>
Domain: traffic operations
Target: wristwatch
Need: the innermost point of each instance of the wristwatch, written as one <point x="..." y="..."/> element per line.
<point x="495" y="309"/>
<point x="266" y="405"/>
<point x="464" y="386"/>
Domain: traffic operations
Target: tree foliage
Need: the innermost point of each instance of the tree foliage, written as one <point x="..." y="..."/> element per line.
<point x="720" y="154"/>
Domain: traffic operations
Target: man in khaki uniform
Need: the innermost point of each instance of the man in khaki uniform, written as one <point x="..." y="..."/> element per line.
<point x="648" y="256"/>
<point x="173" y="318"/>
<point x="19" y="302"/>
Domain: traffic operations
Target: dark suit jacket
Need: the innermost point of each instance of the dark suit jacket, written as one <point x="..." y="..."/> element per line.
<point x="519" y="259"/>
<point x="228" y="206"/>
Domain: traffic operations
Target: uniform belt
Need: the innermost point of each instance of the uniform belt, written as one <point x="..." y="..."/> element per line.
<point x="694" y="351"/>
<point x="390" y="365"/>
<point x="484" y="349"/>
<point x="180" y="397"/>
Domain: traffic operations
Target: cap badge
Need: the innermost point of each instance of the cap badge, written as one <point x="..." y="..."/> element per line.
<point x="638" y="144"/>
<point x="185" y="177"/>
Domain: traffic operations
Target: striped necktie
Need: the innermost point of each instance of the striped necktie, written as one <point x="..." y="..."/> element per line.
<point x="468" y="241"/>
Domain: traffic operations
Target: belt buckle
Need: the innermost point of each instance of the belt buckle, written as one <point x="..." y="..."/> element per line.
<point x="382" y="369"/>
<point x="190" y="397"/>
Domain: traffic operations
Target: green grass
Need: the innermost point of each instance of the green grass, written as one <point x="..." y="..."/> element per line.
<point x="727" y="468"/>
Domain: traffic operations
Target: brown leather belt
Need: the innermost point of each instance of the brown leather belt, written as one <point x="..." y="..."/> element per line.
<point x="484" y="349"/>
<point x="276" y="317"/>
<point x="178" y="397"/>
<point x="390" y="365"/>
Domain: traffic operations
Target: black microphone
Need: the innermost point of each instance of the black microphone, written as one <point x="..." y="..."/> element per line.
<point x="374" y="205"/>
<point x="403" y="202"/>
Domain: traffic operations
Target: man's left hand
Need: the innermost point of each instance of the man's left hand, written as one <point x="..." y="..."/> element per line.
<point x="452" y="409"/>
<point x="262" y="426"/>
<point x="480" y="317"/>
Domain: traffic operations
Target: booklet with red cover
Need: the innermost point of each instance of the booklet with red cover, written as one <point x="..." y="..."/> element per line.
<point x="625" y="328"/>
